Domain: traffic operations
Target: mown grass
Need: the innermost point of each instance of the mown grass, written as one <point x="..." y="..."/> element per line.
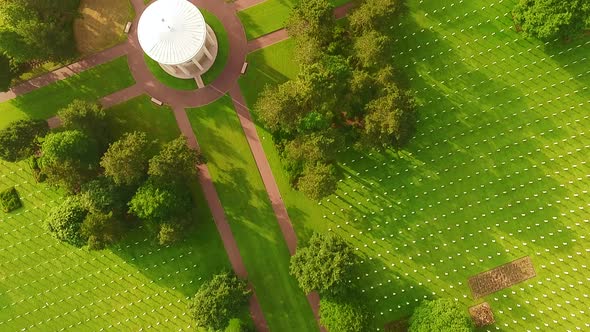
<point x="269" y="16"/>
<point x="137" y="284"/>
<point x="254" y="225"/>
<point x="495" y="172"/>
<point x="91" y="84"/>
<point x="101" y="24"/>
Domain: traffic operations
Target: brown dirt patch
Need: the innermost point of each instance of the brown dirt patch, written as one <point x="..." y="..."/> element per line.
<point x="501" y="277"/>
<point x="482" y="314"/>
<point x="400" y="325"/>
<point x="101" y="24"/>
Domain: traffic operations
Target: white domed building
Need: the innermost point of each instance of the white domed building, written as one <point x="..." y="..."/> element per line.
<point x="174" y="34"/>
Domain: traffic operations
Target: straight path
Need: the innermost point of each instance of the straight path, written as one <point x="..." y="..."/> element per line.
<point x="65" y="72"/>
<point x="282" y="34"/>
<point x="227" y="237"/>
<point x="243" y="4"/>
<point x="270" y="184"/>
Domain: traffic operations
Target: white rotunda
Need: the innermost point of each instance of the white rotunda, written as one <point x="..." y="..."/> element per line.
<point x="174" y="34"/>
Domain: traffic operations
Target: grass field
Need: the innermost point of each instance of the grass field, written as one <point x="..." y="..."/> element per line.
<point x="251" y="217"/>
<point x="90" y="84"/>
<point x="50" y="286"/>
<point x="269" y="16"/>
<point x="101" y="24"/>
<point x="496" y="172"/>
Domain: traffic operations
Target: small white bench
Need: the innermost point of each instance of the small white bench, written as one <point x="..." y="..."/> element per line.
<point x="127" y="27"/>
<point x="157" y="101"/>
<point x="244" y="67"/>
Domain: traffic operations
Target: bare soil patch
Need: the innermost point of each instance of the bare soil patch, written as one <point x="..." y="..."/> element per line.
<point x="101" y="24"/>
<point x="400" y="325"/>
<point x="501" y="277"/>
<point x="482" y="314"/>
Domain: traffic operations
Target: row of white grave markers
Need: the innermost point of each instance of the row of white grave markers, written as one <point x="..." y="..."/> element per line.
<point x="32" y="212"/>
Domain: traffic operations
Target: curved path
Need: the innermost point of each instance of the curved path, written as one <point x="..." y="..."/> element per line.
<point x="181" y="99"/>
<point x="238" y="49"/>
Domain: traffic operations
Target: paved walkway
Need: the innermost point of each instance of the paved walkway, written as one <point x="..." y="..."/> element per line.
<point x="223" y="227"/>
<point x="179" y="100"/>
<point x="65" y="72"/>
<point x="243" y="4"/>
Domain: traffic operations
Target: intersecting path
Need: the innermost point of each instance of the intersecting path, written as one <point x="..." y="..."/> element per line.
<point x="179" y="100"/>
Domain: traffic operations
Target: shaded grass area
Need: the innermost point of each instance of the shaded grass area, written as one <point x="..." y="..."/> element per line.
<point x="91" y="85"/>
<point x="495" y="172"/>
<point x="101" y="24"/>
<point x="167" y="79"/>
<point x="223" y="50"/>
<point x="269" y="16"/>
<point x="135" y="285"/>
<point x="251" y="217"/>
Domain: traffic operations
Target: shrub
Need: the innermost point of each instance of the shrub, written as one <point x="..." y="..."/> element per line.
<point x="9" y="200"/>
<point x="65" y="220"/>
<point x="342" y="317"/>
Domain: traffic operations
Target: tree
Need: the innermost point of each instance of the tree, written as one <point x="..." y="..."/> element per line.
<point x="442" y="315"/>
<point x="390" y="119"/>
<point x="20" y="139"/>
<point x="373" y="15"/>
<point x="176" y="161"/>
<point x="318" y="181"/>
<point x="170" y="232"/>
<point x="327" y="80"/>
<point x="342" y="317"/>
<point x="324" y="265"/>
<point x="312" y="19"/>
<point x="38" y="30"/>
<point x="88" y="118"/>
<point x="369" y="48"/>
<point x="158" y="201"/>
<point x="101" y="230"/>
<point x="6" y="73"/>
<point x="218" y="300"/>
<point x="550" y="19"/>
<point x="65" y="220"/>
<point x="307" y="150"/>
<point x="281" y="108"/>
<point x="126" y="160"/>
<point x="102" y="195"/>
<point x="68" y="158"/>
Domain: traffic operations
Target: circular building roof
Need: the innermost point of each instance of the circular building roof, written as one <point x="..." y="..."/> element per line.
<point x="171" y="31"/>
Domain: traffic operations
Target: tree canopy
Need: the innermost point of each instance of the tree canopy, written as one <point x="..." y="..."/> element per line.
<point x="443" y="315"/>
<point x="20" y="139"/>
<point x="324" y="264"/>
<point x="218" y="300"/>
<point x="159" y="201"/>
<point x="126" y="160"/>
<point x="175" y="161"/>
<point x="38" y="30"/>
<point x="88" y="118"/>
<point x="550" y="19"/>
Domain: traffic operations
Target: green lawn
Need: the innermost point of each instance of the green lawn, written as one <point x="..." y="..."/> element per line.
<point x="167" y="79"/>
<point x="223" y="49"/>
<point x="90" y="84"/>
<point x="251" y="217"/>
<point x="496" y="172"/>
<point x="47" y="285"/>
<point x="269" y="16"/>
